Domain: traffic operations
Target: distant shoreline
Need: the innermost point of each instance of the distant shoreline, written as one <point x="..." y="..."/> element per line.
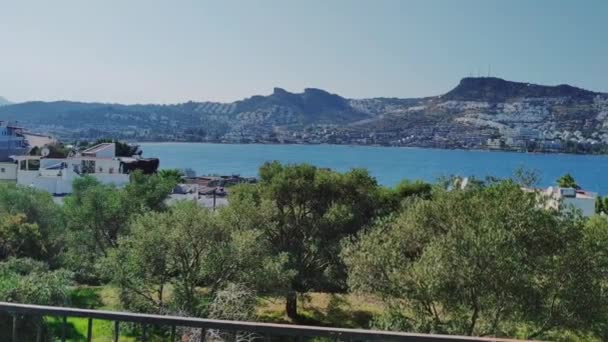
<point x="371" y="146"/>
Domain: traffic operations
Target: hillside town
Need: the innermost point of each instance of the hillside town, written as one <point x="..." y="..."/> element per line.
<point x="479" y="113"/>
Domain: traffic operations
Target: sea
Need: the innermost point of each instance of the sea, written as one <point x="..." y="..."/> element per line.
<point x="388" y="165"/>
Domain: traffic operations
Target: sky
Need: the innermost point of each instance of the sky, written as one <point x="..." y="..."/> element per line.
<point x="148" y="51"/>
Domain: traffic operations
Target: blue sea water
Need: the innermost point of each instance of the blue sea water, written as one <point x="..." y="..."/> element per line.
<point x="388" y="165"/>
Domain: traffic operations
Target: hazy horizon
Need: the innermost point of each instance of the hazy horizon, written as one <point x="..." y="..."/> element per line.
<point x="173" y="52"/>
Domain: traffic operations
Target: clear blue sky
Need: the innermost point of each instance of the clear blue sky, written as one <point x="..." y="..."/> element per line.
<point x="147" y="51"/>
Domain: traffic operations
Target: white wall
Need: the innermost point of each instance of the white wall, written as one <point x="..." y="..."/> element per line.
<point x="108" y="152"/>
<point x="60" y="181"/>
<point x="8" y="172"/>
<point x="586" y="205"/>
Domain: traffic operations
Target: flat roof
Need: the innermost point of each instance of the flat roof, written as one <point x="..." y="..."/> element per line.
<point x="98" y="148"/>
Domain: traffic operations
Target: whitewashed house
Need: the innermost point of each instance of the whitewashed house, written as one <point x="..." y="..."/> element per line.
<point x="570" y="197"/>
<point x="56" y="175"/>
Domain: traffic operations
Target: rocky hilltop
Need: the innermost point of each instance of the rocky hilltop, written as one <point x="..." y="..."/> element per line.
<point x="482" y="113"/>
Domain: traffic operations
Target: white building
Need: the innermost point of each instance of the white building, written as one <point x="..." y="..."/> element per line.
<point x="8" y="172"/>
<point x="566" y="197"/>
<point x="56" y="175"/>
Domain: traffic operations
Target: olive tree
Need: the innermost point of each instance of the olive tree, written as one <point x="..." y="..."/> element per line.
<point x="33" y="216"/>
<point x="485" y="261"/>
<point x="188" y="249"/>
<point x="98" y="215"/>
<point x="304" y="212"/>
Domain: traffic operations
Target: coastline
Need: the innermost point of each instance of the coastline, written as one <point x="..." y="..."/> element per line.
<point x="166" y="142"/>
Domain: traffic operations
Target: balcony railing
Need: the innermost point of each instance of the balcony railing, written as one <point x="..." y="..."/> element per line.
<point x="259" y="331"/>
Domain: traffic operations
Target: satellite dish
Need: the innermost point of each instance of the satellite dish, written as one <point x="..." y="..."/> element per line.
<point x="45" y="152"/>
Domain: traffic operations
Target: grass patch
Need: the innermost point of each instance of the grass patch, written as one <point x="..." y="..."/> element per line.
<point x="321" y="309"/>
<point x="324" y="309"/>
<point x="77" y="330"/>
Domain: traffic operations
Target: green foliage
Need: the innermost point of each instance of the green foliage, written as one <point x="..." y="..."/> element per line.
<point x="599" y="205"/>
<point x="98" y="215"/>
<point x="31" y="223"/>
<point x="95" y="217"/>
<point x="147" y="192"/>
<point x="187" y="248"/>
<point x="57" y="150"/>
<point x="526" y="178"/>
<point x="391" y="199"/>
<point x="174" y="175"/>
<point x="472" y="262"/>
<point x="29" y="281"/>
<point x="304" y="212"/>
<point x="34" y="151"/>
<point x="391" y="319"/>
<point x="19" y="238"/>
<point x="567" y="181"/>
<point x="480" y="259"/>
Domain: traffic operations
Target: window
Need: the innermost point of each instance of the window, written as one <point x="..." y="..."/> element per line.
<point x="2" y="170"/>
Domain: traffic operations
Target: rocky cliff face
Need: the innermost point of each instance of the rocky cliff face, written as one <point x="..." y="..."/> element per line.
<point x="478" y="113"/>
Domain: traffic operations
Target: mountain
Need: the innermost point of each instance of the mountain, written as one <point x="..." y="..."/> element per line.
<point x="494" y="89"/>
<point x="4" y="102"/>
<point x="482" y="112"/>
<point x="311" y="106"/>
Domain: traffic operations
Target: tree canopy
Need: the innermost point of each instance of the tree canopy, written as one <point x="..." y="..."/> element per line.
<point x="567" y="181"/>
<point x="308" y="211"/>
<point x="187" y="248"/>
<point x="474" y="262"/>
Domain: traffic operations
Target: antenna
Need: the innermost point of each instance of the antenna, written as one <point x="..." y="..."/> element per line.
<point x="45" y="152"/>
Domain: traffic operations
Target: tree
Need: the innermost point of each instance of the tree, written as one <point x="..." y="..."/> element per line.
<point x="98" y="215"/>
<point x="309" y="210"/>
<point x="34" y="216"/>
<point x="476" y="261"/>
<point x="57" y="150"/>
<point x="148" y="192"/>
<point x="30" y="282"/>
<point x="567" y="181"/>
<point x="391" y="199"/>
<point x="599" y="205"/>
<point x="174" y="175"/>
<point x="19" y="238"/>
<point x="187" y="248"/>
<point x="526" y="178"/>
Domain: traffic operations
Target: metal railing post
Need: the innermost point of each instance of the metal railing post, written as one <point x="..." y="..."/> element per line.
<point x="144" y="332"/>
<point x="172" y="338"/>
<point x="89" y="330"/>
<point x="64" y="328"/>
<point x="39" y="329"/>
<point x="116" y="330"/>
<point x="14" y="332"/>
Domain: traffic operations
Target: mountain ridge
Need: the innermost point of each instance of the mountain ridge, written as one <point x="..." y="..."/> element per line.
<point x="485" y="112"/>
<point x="4" y="101"/>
